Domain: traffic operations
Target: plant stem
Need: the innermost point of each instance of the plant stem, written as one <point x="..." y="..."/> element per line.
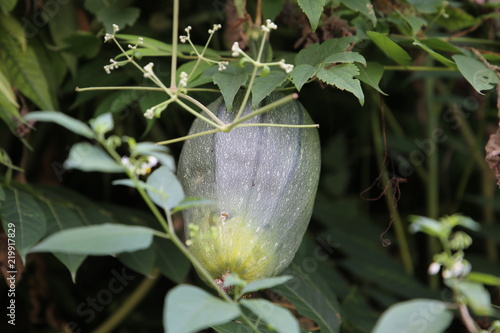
<point x="432" y="183"/>
<point x="420" y="68"/>
<point x="129" y="304"/>
<point x="389" y="195"/>
<point x="175" y="37"/>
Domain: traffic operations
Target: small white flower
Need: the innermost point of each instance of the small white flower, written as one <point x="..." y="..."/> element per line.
<point x="110" y="67"/>
<point x="126" y="162"/>
<point x="434" y="268"/>
<point x="116" y="28"/>
<point x="183" y="38"/>
<point x="236" y="49"/>
<point x="287" y="67"/>
<point x="214" y="28"/>
<point x="149" y="114"/>
<point x="140" y="41"/>
<point x="152" y="161"/>
<point x="149" y="70"/>
<point x="222" y="65"/>
<point x="183" y="80"/>
<point x="188" y="28"/>
<point x="270" y="25"/>
<point x="133" y="47"/>
<point x="264" y="28"/>
<point x="107" y="37"/>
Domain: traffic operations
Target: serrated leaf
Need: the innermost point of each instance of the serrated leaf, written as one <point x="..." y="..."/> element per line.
<point x="474" y="71"/>
<point x="86" y="157"/>
<point x="103" y="239"/>
<point x="72" y="124"/>
<point x="189" y="309"/>
<point x="346" y="57"/>
<point x="310" y="300"/>
<point x="310" y="55"/>
<point x="364" y="7"/>
<point x="164" y="189"/>
<point x="417" y="315"/>
<point x="24" y="71"/>
<point x="313" y="10"/>
<point x="301" y="73"/>
<point x="342" y="77"/>
<point x="371" y="75"/>
<point x="21" y="210"/>
<point x="391" y="49"/>
<point x="120" y="16"/>
<point x="266" y="283"/>
<point x="442" y="59"/>
<point x="280" y="319"/>
<point x="229" y="82"/>
<point x="263" y="86"/>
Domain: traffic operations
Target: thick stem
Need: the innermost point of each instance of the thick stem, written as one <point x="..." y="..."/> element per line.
<point x="175" y="37"/>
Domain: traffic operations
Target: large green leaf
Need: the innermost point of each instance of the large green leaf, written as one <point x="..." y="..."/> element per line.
<point x="164" y="188"/>
<point x="303" y="72"/>
<point x="72" y="124"/>
<point x="371" y="75"/>
<point x="86" y="157"/>
<point x="264" y="85"/>
<point x="278" y="318"/>
<point x="24" y="72"/>
<point x="417" y="315"/>
<point x="391" y="49"/>
<point x="189" y="309"/>
<point x="474" y="71"/>
<point x="342" y="77"/>
<point x="22" y="217"/>
<point x="313" y="10"/>
<point x="310" y="300"/>
<point x="104" y="239"/>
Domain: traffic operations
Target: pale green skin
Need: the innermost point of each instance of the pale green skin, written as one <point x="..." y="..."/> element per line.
<point x="264" y="178"/>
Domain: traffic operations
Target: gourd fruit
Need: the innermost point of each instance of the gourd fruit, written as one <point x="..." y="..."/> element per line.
<point x="261" y="182"/>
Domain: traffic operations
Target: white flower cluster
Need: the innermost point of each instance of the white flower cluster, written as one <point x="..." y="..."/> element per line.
<point x="222" y="65"/>
<point x="113" y="65"/>
<point x="269" y="26"/>
<point x="185" y="38"/>
<point x="149" y="70"/>
<point x="287" y="67"/>
<point x="140" y="41"/>
<point x="184" y="79"/>
<point x="150" y="113"/>
<point x="143" y="168"/>
<point x="458" y="269"/>
<point x="236" y="49"/>
<point x="214" y="29"/>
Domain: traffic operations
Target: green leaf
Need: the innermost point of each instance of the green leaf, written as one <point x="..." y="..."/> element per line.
<point x="263" y="86"/>
<point x="474" y="71"/>
<point x="429" y="226"/>
<point x="427" y="6"/>
<point x="60" y="217"/>
<point x="7" y="92"/>
<point x="265" y="283"/>
<point x="346" y="57"/>
<point x="278" y="318"/>
<point x="301" y="73"/>
<point x="164" y="189"/>
<point x="142" y="261"/>
<point x="72" y="124"/>
<point x="313" y="10"/>
<point x="170" y="260"/>
<point x="371" y="75"/>
<point x="342" y="77"/>
<point x="391" y="49"/>
<point x="24" y="71"/>
<point x="86" y="157"/>
<point x="457" y="19"/>
<point x="229" y="81"/>
<point x="9" y="114"/>
<point x="22" y="217"/>
<point x="103" y="239"/>
<point x="310" y="300"/>
<point x="189" y="202"/>
<point x="189" y="309"/>
<point x="73" y="44"/>
<point x="478" y="298"/>
<point x="487" y="279"/>
<point x="442" y="59"/>
<point x="363" y="6"/>
<point x="119" y="16"/>
<point x="416" y="23"/>
<point x="7" y="5"/>
<point x="10" y="26"/>
<point x="417" y="315"/>
<point x="103" y="123"/>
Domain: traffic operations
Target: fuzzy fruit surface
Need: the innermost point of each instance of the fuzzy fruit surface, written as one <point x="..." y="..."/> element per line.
<point x="262" y="183"/>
